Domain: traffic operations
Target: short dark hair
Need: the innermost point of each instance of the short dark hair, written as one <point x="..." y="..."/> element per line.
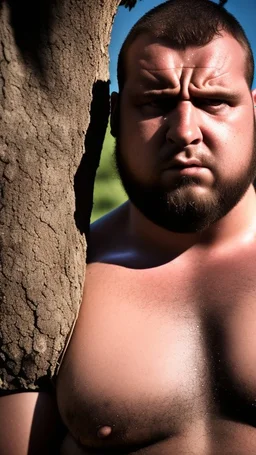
<point x="186" y="23"/>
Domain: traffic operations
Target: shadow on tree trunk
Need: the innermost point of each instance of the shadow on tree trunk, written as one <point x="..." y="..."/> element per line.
<point x="31" y="21"/>
<point x="85" y="175"/>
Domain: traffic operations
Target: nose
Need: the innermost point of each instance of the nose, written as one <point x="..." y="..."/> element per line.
<point x="183" y="128"/>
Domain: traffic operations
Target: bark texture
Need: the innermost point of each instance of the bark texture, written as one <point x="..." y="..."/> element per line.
<point x="53" y="109"/>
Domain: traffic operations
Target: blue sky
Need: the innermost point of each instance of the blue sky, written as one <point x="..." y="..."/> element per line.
<point x="243" y="10"/>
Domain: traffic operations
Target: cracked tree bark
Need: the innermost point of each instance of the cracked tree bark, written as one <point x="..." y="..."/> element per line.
<point x="54" y="99"/>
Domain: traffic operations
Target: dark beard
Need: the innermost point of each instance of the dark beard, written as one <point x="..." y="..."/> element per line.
<point x="175" y="210"/>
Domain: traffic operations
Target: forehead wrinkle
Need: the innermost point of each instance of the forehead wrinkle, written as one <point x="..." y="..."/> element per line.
<point x="222" y="78"/>
<point x="173" y="70"/>
<point x="214" y="79"/>
<point x="149" y="52"/>
<point x="174" y="60"/>
<point x="223" y="63"/>
<point x="159" y="77"/>
<point x="178" y="67"/>
<point x="152" y="77"/>
<point x="193" y="77"/>
<point x="177" y="71"/>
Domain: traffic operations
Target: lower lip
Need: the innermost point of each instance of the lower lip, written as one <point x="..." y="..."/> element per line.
<point x="193" y="170"/>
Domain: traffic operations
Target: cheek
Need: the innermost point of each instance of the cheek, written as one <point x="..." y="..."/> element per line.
<point x="231" y="144"/>
<point x="138" y="129"/>
<point x="140" y="143"/>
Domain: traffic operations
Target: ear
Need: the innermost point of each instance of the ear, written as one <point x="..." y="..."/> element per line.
<point x="254" y="101"/>
<point x="115" y="113"/>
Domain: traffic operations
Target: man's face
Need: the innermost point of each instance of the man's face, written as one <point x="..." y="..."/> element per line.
<point x="186" y="144"/>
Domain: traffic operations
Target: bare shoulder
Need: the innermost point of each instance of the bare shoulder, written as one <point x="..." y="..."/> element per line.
<point x="108" y="234"/>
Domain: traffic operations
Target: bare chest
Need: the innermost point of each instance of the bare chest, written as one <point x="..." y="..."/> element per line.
<point x="155" y="350"/>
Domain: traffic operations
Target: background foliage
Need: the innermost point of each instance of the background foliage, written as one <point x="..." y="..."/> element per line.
<point x="108" y="191"/>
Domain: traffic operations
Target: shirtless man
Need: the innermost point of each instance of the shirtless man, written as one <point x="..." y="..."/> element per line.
<point x="163" y="356"/>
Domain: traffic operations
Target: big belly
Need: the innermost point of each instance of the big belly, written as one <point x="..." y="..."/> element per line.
<point x="139" y="372"/>
<point x="158" y="374"/>
<point x="220" y="437"/>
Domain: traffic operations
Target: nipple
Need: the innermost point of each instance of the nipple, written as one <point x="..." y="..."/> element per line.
<point x="104" y="432"/>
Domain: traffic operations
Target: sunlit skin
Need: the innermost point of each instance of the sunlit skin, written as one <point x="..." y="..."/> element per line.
<point x="163" y="356"/>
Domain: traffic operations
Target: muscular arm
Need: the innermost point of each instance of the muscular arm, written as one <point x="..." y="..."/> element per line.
<point x="29" y="424"/>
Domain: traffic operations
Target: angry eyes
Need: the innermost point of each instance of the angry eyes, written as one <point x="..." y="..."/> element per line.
<point x="159" y="106"/>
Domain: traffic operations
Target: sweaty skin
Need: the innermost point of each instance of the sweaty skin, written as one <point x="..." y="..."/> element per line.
<point x="163" y="356"/>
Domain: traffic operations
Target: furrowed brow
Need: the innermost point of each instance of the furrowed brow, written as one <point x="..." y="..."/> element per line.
<point x="228" y="95"/>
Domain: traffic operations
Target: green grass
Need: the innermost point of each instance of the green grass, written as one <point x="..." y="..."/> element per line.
<point x="108" y="191"/>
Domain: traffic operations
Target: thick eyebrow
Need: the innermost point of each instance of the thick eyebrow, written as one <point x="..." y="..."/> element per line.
<point x="218" y="92"/>
<point x="229" y="95"/>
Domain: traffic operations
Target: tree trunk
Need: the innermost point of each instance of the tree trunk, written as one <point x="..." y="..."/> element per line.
<point x="54" y="108"/>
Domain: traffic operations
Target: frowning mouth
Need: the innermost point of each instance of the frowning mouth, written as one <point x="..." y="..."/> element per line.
<point x="187" y="168"/>
<point x="187" y="163"/>
<point x="184" y="166"/>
